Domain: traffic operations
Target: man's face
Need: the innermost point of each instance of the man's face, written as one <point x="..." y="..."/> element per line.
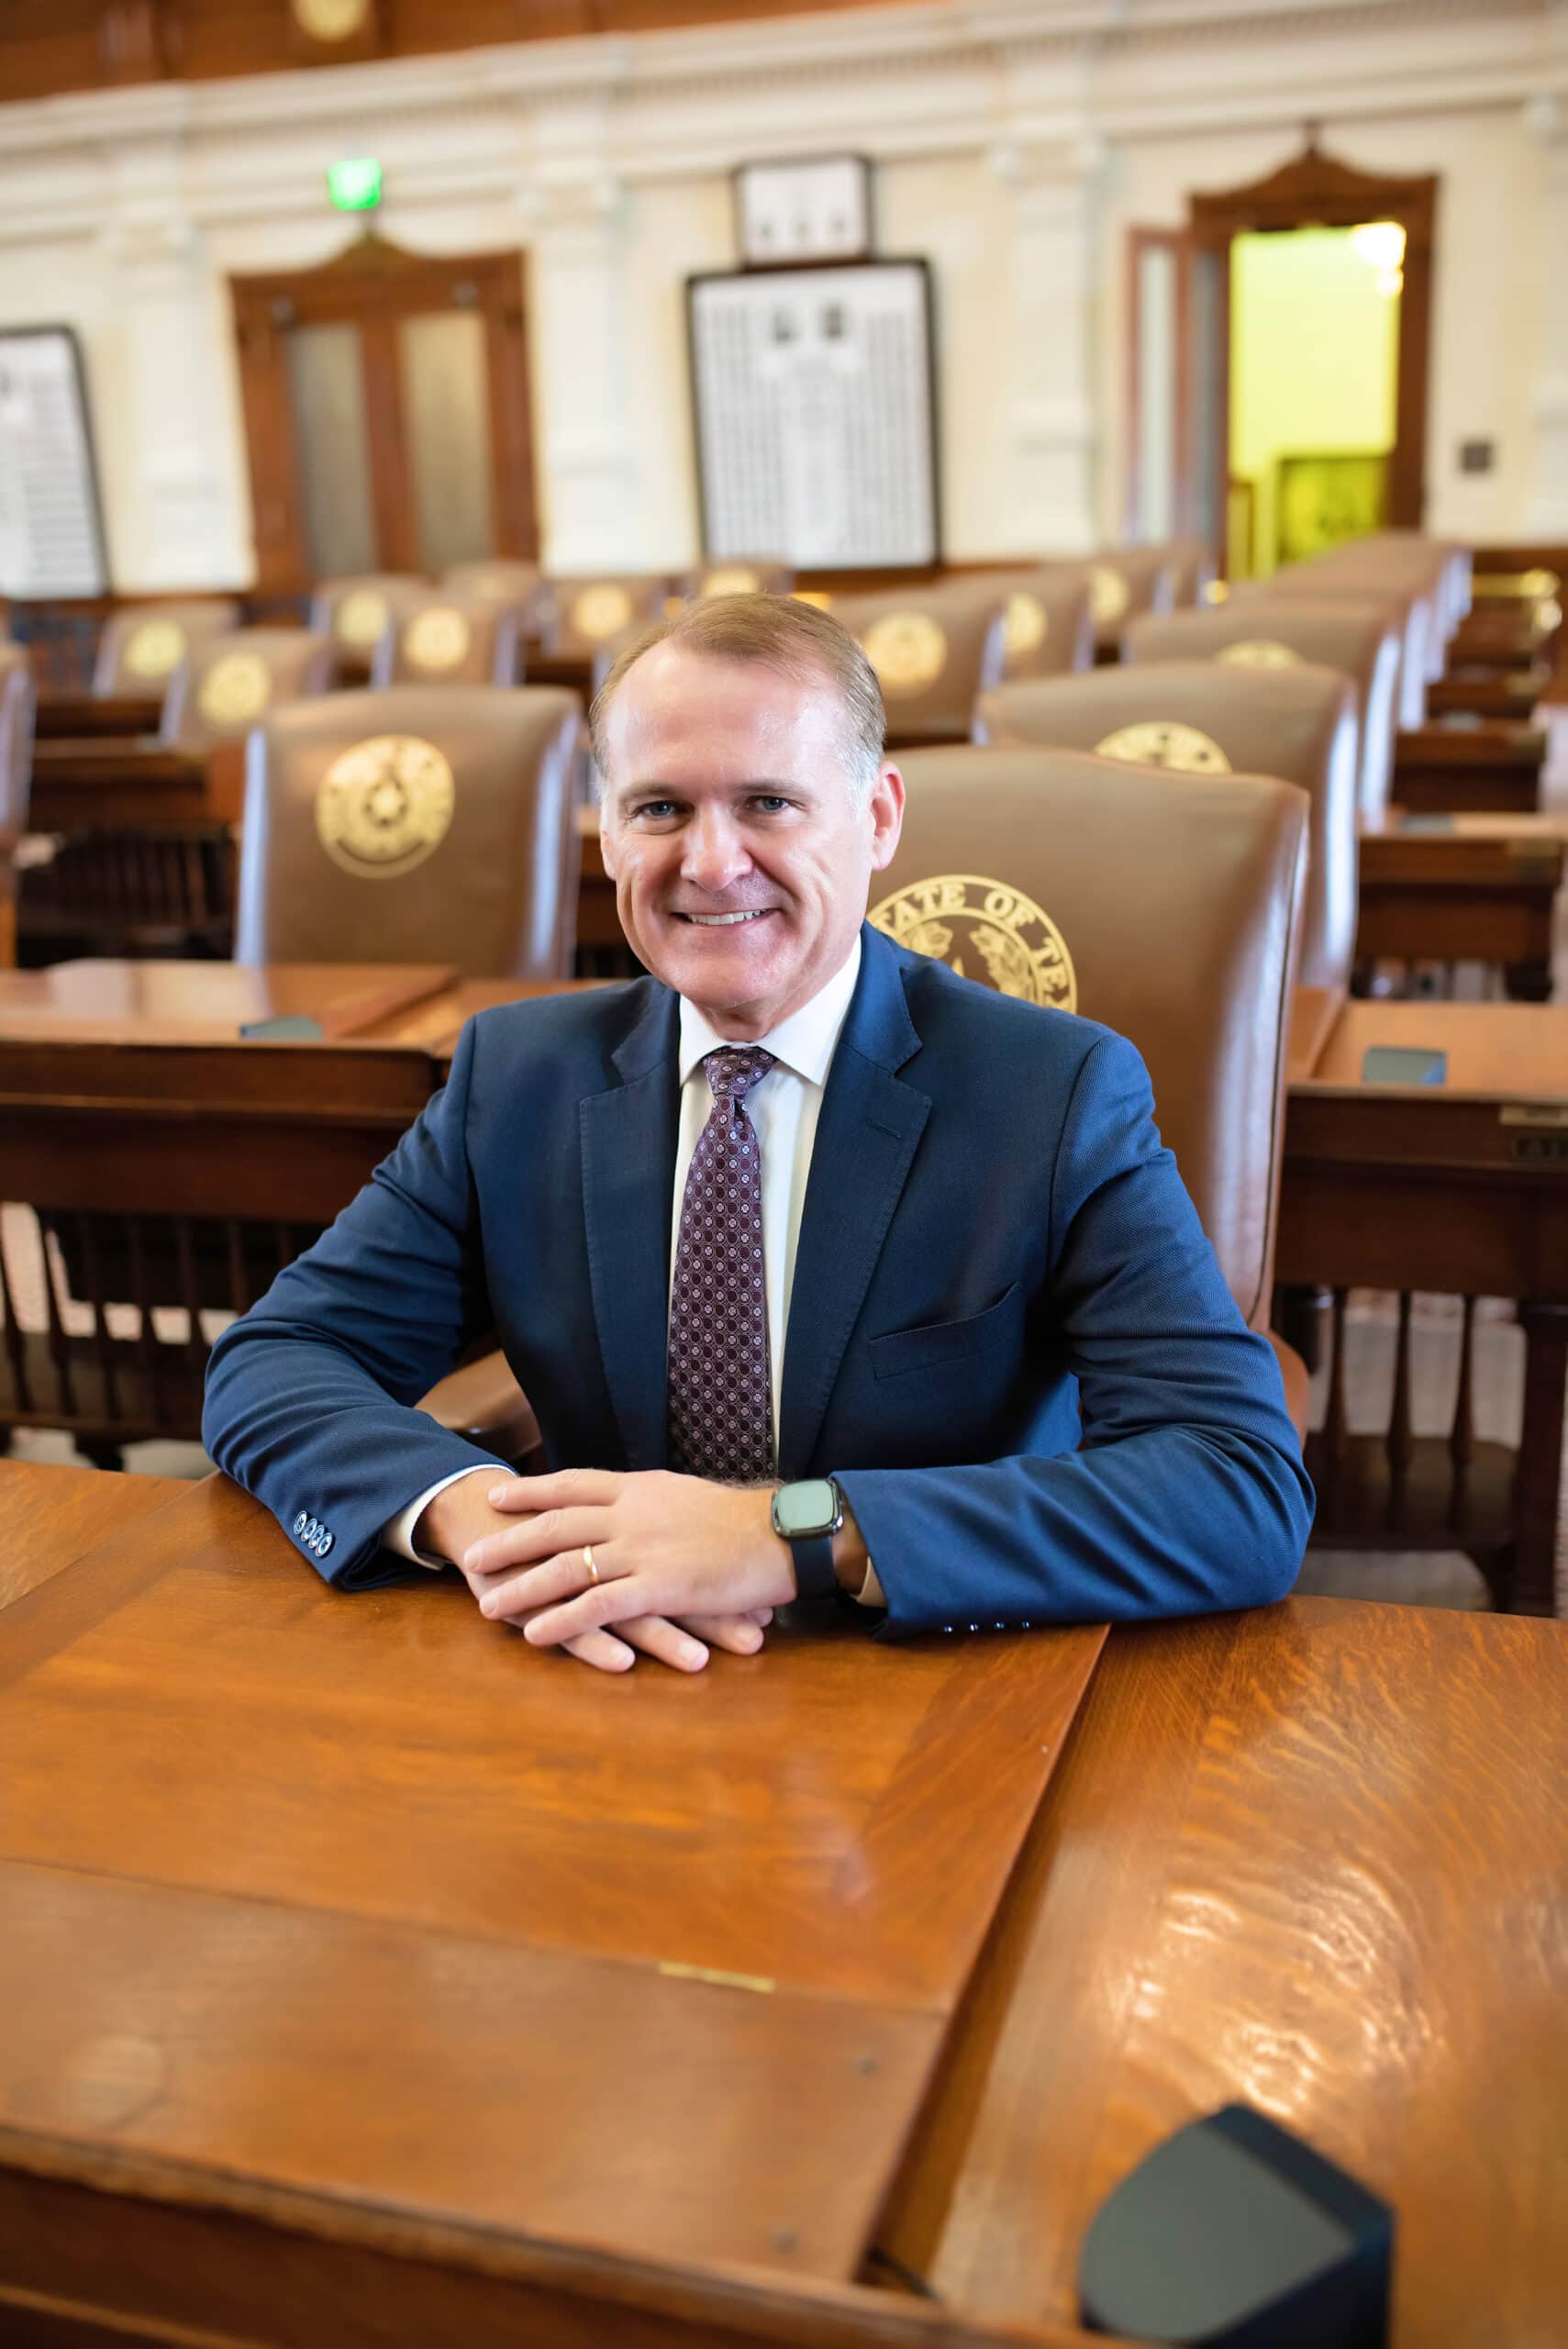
<point x="741" y="864"/>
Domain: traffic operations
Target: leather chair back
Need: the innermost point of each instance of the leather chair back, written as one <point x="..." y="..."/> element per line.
<point x="935" y="650"/>
<point x="1049" y="627"/>
<point x="1193" y="568"/>
<point x="1362" y="641"/>
<point x="580" y="616"/>
<point x="141" y="648"/>
<point x="227" y="682"/>
<point x="17" y="701"/>
<point x="415" y="824"/>
<point x="450" y="640"/>
<point x="1173" y="916"/>
<point x="740" y="575"/>
<point x="1127" y="581"/>
<point x="1204" y="717"/>
<point x="496" y="581"/>
<point x="1411" y="610"/>
<point x="356" y="610"/>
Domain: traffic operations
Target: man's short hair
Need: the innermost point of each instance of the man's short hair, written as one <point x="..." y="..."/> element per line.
<point x="776" y="632"/>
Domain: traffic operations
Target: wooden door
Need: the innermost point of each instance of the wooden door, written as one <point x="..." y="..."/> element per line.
<point x="1178" y="326"/>
<point x="1316" y="190"/>
<point x="386" y="413"/>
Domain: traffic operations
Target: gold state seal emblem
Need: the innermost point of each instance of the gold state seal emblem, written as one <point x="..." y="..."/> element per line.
<point x="599" y="611"/>
<point x="1164" y="742"/>
<point x="907" y="650"/>
<point x="1028" y="625"/>
<point x="437" y="638"/>
<point x="1108" y="593"/>
<point x="235" y="689"/>
<point x="382" y="806"/>
<point x="984" y="930"/>
<point x="1260" y="652"/>
<point x="361" y="616"/>
<point x="154" y="648"/>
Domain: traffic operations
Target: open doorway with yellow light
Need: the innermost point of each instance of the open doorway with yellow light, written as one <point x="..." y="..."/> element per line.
<point x="1313" y="389"/>
<point x="1278" y="357"/>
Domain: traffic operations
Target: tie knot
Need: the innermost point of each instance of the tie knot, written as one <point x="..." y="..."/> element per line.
<point x="734" y="1069"/>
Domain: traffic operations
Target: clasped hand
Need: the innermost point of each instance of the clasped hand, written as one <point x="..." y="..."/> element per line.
<point x="683" y="1566"/>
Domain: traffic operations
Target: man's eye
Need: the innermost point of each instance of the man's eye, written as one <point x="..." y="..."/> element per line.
<point x="770" y="802"/>
<point x="659" y="809"/>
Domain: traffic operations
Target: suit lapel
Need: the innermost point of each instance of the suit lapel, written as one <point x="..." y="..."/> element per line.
<point x="866" y="1136"/>
<point x="628" y="1170"/>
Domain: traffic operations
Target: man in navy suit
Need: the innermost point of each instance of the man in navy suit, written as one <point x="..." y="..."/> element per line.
<point x="822" y="1268"/>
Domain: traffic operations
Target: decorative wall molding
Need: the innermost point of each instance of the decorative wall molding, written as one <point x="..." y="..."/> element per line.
<point x="948" y="81"/>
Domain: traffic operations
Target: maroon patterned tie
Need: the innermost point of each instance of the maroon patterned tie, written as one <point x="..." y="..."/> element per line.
<point x="721" y="1405"/>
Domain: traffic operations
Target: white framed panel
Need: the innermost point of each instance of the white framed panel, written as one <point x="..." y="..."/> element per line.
<point x="815" y="411"/>
<point x="51" y="536"/>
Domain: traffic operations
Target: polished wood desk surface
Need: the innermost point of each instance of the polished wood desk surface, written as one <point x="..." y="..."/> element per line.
<point x="361" y="1932"/>
<point x="1499" y="1052"/>
<point x="660" y="1964"/>
<point x="1313" y="1012"/>
<point x="49" y="1514"/>
<point x="157" y="1002"/>
<point x="1313" y="1858"/>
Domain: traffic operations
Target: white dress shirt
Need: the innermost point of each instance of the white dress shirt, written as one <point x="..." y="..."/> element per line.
<point x="784" y="1107"/>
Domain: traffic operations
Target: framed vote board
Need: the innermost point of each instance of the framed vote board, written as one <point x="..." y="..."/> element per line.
<point x="52" y="532"/>
<point x="814" y="402"/>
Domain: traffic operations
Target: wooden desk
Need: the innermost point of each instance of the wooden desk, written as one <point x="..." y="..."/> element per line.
<point x="173" y="1163"/>
<point x="1484" y="888"/>
<point x="1489" y="769"/>
<point x="1462" y="1189"/>
<point x="87" y="784"/>
<point x="382" y="1928"/>
<point x="1313" y="1858"/>
<point x="360" y="1986"/>
<point x="50" y="1514"/>
<point x="69" y="717"/>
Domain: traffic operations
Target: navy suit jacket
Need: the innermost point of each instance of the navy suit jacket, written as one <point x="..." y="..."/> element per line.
<point x="1008" y="1336"/>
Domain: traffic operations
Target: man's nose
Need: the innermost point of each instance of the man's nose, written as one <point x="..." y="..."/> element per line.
<point x="714" y="854"/>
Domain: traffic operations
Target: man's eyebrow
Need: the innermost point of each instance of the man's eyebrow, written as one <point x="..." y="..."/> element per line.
<point x="652" y="788"/>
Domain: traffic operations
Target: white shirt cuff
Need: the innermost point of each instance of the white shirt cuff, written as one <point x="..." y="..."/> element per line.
<point x="397" y="1533"/>
<point x="871" y="1593"/>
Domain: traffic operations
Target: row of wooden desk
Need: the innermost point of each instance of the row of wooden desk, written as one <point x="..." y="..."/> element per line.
<point x="369" y="1977"/>
<point x="126" y="1089"/>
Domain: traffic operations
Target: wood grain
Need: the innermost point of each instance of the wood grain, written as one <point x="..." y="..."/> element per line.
<point x="671" y="1957"/>
<point x="49" y="1513"/>
<point x="1314" y="1857"/>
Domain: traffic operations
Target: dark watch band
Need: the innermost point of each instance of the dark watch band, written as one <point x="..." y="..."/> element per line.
<point x="813" y="1555"/>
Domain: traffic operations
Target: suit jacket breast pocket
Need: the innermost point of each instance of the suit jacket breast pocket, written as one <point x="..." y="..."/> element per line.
<point x="940" y="1345"/>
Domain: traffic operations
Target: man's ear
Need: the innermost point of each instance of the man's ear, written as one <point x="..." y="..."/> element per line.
<point x="606" y="856"/>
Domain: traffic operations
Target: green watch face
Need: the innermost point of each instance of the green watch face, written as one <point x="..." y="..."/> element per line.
<point x="810" y="1506"/>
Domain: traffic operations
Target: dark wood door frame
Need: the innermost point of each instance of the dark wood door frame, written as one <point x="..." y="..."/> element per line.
<point x="1317" y="191"/>
<point x="373" y="285"/>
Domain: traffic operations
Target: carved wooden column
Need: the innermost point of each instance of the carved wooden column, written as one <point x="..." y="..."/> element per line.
<point x="1051" y="350"/>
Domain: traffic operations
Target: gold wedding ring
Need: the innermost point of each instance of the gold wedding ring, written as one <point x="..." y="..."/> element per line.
<point x="588" y="1562"/>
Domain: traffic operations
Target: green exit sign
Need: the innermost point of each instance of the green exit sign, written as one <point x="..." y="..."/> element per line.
<point x="354" y="186"/>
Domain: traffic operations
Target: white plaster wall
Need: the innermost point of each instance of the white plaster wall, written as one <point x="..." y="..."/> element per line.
<point x="1014" y="140"/>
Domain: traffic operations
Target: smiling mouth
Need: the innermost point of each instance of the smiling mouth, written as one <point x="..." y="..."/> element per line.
<point x="723" y="921"/>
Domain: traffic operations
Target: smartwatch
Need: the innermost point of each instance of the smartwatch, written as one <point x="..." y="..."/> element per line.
<point x="807" y="1515"/>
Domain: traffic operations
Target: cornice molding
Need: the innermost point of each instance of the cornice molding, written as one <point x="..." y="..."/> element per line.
<point x="1056" y="82"/>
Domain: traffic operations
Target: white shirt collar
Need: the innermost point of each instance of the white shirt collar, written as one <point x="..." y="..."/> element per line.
<point x="805" y="1042"/>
